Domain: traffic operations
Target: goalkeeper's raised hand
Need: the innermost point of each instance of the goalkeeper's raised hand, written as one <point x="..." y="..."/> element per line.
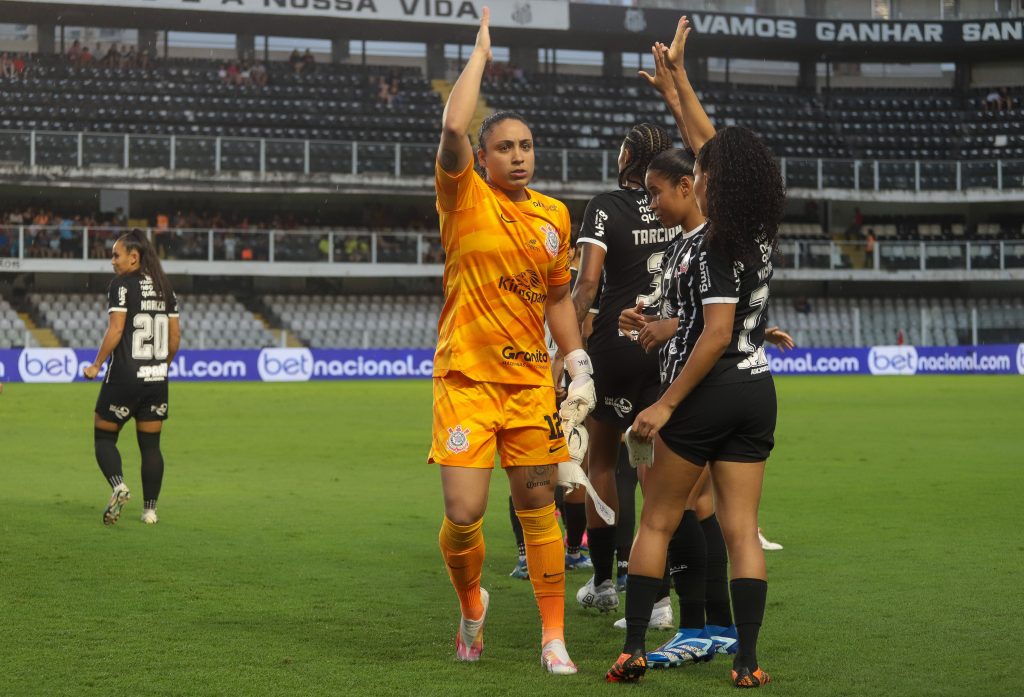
<point x="580" y="397"/>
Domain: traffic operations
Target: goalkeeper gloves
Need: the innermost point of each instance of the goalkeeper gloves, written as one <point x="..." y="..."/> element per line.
<point x="580" y="398"/>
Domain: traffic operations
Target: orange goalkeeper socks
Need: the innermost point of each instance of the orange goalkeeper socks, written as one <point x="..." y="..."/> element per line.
<point x="462" y="547"/>
<point x="545" y="557"/>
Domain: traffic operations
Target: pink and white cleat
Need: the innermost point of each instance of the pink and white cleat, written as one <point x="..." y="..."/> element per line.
<point x="469" y="640"/>
<point x="556" y="659"/>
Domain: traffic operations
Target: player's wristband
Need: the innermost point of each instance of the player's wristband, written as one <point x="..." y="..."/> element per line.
<point x="578" y="363"/>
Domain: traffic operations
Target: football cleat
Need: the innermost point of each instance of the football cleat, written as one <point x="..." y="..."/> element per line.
<point x="580" y="561"/>
<point x="118" y="498"/>
<point x="521" y="571"/>
<point x="555" y="658"/>
<point x="725" y="639"/>
<point x="628" y="668"/>
<point x="687" y="646"/>
<point x="149" y="516"/>
<point x="661" y="616"/>
<point x="766" y="544"/>
<point x="744" y="677"/>
<point x="469" y="640"/>
<point x="603" y="597"/>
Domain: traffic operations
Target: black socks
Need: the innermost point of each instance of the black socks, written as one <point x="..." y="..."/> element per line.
<point x="108" y="457"/>
<point x="687" y="555"/>
<point x="641" y="593"/>
<point x="717" y="574"/>
<point x="152" y="467"/>
<point x="602" y="552"/>
<point x="748" y="599"/>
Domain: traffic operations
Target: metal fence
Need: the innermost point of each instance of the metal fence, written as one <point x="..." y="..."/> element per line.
<point x="898" y="255"/>
<point x="316" y="157"/>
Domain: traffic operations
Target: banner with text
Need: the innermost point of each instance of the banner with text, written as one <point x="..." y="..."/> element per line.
<point x="56" y="365"/>
<point x="515" y="14"/>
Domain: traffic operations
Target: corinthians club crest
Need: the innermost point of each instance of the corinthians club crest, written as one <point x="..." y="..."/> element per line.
<point x="458" y="440"/>
<point x="635" y="20"/>
<point x="550" y="239"/>
<point x="522" y="14"/>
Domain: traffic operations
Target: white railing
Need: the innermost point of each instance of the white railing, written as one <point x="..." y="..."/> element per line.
<point x="895" y="255"/>
<point x="274" y="156"/>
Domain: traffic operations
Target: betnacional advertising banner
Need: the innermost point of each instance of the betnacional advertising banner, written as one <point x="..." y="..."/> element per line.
<point x="55" y="365"/>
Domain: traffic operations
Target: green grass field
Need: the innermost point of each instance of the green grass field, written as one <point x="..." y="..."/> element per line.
<point x="297" y="550"/>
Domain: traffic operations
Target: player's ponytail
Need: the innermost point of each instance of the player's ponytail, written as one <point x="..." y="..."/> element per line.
<point x="149" y="263"/>
<point x="643" y="142"/>
<point x="673" y="164"/>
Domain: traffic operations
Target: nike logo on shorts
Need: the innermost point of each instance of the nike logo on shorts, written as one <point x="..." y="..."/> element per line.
<point x="557" y="447"/>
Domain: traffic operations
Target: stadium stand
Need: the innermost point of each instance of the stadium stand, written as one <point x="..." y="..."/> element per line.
<point x="358" y="321"/>
<point x="13" y="331"/>
<point x="339" y="104"/>
<point x="208" y="321"/>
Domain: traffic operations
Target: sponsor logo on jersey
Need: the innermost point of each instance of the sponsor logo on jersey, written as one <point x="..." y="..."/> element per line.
<point x="525" y="284"/>
<point x="48" y="365"/>
<point x="621" y="405"/>
<point x="892" y="360"/>
<point x="152" y="373"/>
<point x="513" y="357"/>
<point x="635" y="21"/>
<point x="120" y="412"/>
<point x="159" y="409"/>
<point x="550" y="239"/>
<point x="122" y="296"/>
<point x="600" y="217"/>
<point x="458" y="439"/>
<point x="285" y="364"/>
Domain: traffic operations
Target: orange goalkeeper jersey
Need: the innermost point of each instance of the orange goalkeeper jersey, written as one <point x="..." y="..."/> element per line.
<point x="501" y="258"/>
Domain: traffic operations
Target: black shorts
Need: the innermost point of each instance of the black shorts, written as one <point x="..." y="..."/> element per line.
<point x="626" y="382"/>
<point x="734" y="422"/>
<point x="118" y="403"/>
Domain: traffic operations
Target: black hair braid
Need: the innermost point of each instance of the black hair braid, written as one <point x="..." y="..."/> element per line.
<point x="149" y="263"/>
<point x="644" y="141"/>
<point x="745" y="194"/>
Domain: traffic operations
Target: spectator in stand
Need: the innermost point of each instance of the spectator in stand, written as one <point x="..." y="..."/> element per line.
<point x="6" y="66"/>
<point x="19" y="65"/>
<point x="869" y="249"/>
<point x="295" y="60"/>
<point x="258" y="74"/>
<point x="85" y="59"/>
<point x="112" y="57"/>
<point x="993" y="100"/>
<point x="75" y="52"/>
<point x="394" y="96"/>
<point x="308" y="62"/>
<point x="1005" y="101"/>
<point x="67" y="237"/>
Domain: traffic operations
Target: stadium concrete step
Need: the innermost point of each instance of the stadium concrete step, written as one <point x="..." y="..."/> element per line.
<point x="43" y="337"/>
<point x="291" y="340"/>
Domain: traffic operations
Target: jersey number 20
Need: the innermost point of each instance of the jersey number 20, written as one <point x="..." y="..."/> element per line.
<point x="149" y="340"/>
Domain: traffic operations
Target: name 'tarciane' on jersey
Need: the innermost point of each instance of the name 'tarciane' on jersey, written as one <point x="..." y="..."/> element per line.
<point x="711" y="279"/>
<point x="681" y="252"/>
<point x="141" y="355"/>
<point x="501" y="258"/>
<point x="621" y="223"/>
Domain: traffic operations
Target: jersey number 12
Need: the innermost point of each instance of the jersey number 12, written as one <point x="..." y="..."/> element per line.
<point x="149" y="340"/>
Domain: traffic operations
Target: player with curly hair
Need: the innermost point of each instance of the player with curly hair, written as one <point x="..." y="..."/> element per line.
<point x="719" y="406"/>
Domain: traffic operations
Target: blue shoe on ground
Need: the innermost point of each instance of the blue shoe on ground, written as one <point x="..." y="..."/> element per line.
<point x="521" y="571"/>
<point x="687" y="646"/>
<point x="580" y="561"/>
<point x="620" y="582"/>
<point x="726" y="640"/>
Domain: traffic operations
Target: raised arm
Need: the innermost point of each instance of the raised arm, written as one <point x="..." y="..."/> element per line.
<point x="663" y="83"/>
<point x="454" y="152"/>
<point x="696" y="124"/>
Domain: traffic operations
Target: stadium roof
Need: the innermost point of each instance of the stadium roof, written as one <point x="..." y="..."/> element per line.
<point x="548" y="23"/>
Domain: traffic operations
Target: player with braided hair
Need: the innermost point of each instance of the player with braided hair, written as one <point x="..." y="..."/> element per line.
<point x="622" y="243"/>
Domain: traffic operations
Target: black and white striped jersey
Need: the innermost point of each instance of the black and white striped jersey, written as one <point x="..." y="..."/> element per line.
<point x="706" y="279"/>
<point x="674" y="265"/>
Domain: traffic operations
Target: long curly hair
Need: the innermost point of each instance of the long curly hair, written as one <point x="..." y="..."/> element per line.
<point x="745" y="194"/>
<point x="644" y="141"/>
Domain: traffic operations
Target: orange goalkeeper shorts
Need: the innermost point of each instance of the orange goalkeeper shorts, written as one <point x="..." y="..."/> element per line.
<point x="474" y="420"/>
